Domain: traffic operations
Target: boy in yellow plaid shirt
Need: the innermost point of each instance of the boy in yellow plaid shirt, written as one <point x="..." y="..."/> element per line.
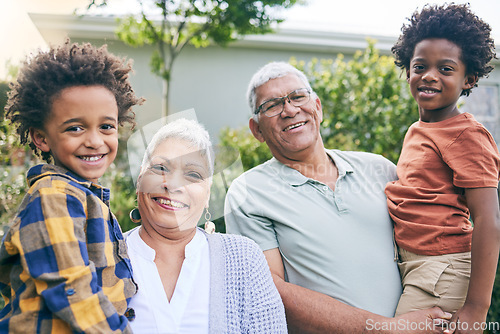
<point x="63" y="263"/>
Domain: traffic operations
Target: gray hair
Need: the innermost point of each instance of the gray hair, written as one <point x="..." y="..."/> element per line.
<point x="268" y="72"/>
<point x="185" y="129"/>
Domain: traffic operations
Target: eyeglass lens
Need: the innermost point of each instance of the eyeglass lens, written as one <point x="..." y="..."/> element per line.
<point x="276" y="106"/>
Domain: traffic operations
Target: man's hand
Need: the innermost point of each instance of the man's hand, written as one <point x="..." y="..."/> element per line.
<point x="424" y="321"/>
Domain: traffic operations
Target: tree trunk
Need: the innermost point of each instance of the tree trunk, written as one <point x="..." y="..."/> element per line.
<point x="165" y="98"/>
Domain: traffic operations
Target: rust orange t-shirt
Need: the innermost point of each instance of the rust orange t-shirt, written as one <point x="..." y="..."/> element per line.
<point x="427" y="202"/>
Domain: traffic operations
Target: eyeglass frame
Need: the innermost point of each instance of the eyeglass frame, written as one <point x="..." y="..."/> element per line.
<point x="283" y="98"/>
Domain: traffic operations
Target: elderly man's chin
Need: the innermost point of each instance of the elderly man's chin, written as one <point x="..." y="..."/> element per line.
<point x="299" y="142"/>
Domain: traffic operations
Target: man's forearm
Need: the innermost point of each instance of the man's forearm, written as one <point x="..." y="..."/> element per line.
<point x="308" y="311"/>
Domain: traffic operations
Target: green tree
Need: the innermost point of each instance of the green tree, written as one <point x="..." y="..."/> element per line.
<point x="170" y="25"/>
<point x="367" y="106"/>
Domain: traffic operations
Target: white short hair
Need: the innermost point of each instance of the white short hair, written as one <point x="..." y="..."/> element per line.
<point x="268" y="72"/>
<point x="185" y="129"/>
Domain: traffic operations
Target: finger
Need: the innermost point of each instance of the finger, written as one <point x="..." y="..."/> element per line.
<point x="440" y="322"/>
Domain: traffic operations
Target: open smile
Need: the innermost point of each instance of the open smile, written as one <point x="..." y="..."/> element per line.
<point x="428" y="90"/>
<point x="294" y="126"/>
<point x="91" y="158"/>
<point x="169" y="203"/>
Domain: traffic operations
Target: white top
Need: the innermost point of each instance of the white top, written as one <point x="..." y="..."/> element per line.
<point x="188" y="309"/>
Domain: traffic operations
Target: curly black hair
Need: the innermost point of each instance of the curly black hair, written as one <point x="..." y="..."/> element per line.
<point x="455" y="23"/>
<point x="46" y="74"/>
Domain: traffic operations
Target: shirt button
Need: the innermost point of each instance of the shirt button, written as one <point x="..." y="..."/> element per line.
<point x="70" y="292"/>
<point x="130" y="314"/>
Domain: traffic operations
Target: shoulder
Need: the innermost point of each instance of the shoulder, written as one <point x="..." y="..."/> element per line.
<point x="48" y="183"/>
<point x="473" y="134"/>
<point x="129" y="233"/>
<point x="253" y="178"/>
<point x="356" y="158"/>
<point x="261" y="171"/>
<point x="234" y="244"/>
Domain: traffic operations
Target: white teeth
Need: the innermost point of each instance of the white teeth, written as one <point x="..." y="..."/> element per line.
<point x="428" y="91"/>
<point x="94" y="158"/>
<point x="293" y="126"/>
<point x="170" y="203"/>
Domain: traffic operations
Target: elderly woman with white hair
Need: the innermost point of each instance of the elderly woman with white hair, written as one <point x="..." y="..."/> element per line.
<point x="191" y="281"/>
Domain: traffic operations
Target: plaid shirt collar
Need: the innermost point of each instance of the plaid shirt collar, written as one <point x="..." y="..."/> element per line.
<point x="39" y="171"/>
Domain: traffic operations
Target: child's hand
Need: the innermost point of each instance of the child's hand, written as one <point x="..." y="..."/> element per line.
<point x="470" y="319"/>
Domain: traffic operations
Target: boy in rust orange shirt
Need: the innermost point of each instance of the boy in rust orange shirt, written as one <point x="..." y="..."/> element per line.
<point x="448" y="170"/>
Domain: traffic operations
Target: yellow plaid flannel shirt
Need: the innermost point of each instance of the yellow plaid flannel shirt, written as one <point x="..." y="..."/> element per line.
<point x="63" y="263"/>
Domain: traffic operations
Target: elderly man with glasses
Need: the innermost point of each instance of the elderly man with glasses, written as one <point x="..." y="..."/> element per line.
<point x="320" y="217"/>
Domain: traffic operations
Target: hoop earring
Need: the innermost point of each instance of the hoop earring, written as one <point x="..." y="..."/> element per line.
<point x="135" y="216"/>
<point x="209" y="225"/>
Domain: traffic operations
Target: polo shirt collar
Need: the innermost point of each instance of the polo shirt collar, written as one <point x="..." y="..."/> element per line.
<point x="295" y="178"/>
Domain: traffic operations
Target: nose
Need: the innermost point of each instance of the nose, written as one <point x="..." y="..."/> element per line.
<point x="94" y="140"/>
<point x="289" y="110"/>
<point x="430" y="75"/>
<point x="173" y="182"/>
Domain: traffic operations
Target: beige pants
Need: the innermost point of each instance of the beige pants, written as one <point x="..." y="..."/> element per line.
<point x="429" y="281"/>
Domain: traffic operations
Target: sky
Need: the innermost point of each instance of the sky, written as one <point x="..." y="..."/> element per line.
<point x="384" y="17"/>
<point x="381" y="17"/>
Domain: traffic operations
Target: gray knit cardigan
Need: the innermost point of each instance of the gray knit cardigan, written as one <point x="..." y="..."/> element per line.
<point x="243" y="298"/>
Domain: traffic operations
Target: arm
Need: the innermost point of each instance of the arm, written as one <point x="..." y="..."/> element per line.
<point x="54" y="253"/>
<point x="309" y="311"/>
<point x="483" y="205"/>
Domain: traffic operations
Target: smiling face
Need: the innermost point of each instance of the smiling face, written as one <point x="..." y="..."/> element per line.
<point x="174" y="188"/>
<point x="437" y="77"/>
<point x="81" y="132"/>
<point x="295" y="132"/>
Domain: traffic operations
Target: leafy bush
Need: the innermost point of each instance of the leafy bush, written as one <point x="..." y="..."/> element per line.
<point x="252" y="152"/>
<point x="13" y="158"/>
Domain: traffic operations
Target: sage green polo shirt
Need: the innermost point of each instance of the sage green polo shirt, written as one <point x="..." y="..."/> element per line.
<point x="335" y="242"/>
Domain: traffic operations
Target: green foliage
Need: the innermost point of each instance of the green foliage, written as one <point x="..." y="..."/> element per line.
<point x="367" y="106"/>
<point x="12" y="170"/>
<point x="121" y="184"/>
<point x="12" y="189"/>
<point x="252" y="152"/>
<point x="123" y="197"/>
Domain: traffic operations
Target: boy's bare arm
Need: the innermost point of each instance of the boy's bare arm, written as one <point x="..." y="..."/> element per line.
<point x="309" y="311"/>
<point x="484" y="208"/>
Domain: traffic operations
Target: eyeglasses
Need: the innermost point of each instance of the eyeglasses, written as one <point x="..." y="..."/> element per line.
<point x="276" y="106"/>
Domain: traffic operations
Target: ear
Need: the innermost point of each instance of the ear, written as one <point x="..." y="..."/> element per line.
<point x="255" y="128"/>
<point x="470" y="81"/>
<point x="138" y="182"/>
<point x="319" y="109"/>
<point x="408" y="76"/>
<point x="39" y="138"/>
